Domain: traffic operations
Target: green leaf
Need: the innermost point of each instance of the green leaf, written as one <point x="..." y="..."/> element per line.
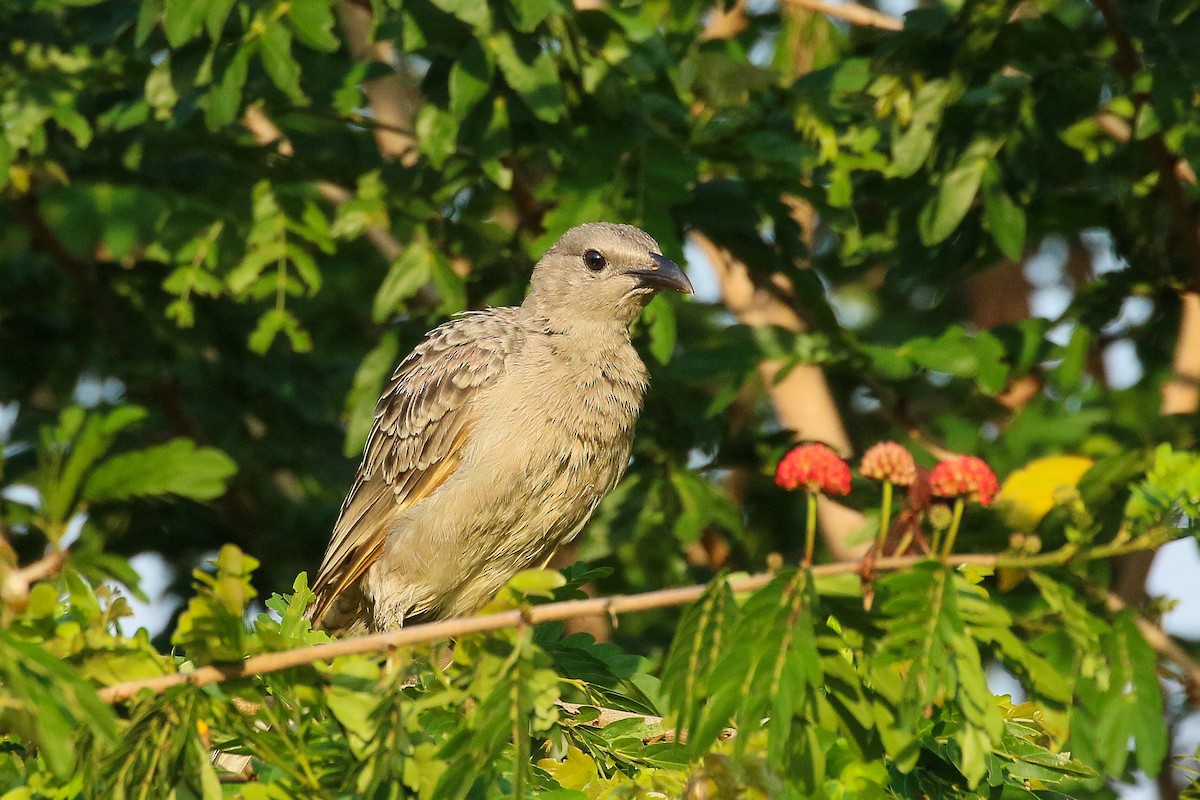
<point x="277" y="59"/>
<point x="225" y="97"/>
<point x="274" y="322"/>
<point x="989" y="622"/>
<point x="980" y="357"/>
<point x="956" y="191"/>
<point x="536" y="582"/>
<point x="528" y="14"/>
<point x="1170" y="493"/>
<point x="469" y="78"/>
<point x="218" y="14"/>
<point x="699" y="638"/>
<point x="1005" y="221"/>
<point x="312" y="21"/>
<point x="1133" y="705"/>
<point x="476" y="14"/>
<point x="183" y="20"/>
<point x="776" y="674"/>
<point x="87" y="437"/>
<point x="177" y="467"/>
<point x="212" y="627"/>
<point x="407" y="274"/>
<point x="928" y="639"/>
<point x="50" y="703"/>
<point x="352" y="698"/>
<point x="1068" y="375"/>
<point x="531" y="73"/>
<point x="911" y="149"/>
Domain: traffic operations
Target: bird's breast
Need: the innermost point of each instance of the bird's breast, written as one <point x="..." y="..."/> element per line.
<point x="567" y="422"/>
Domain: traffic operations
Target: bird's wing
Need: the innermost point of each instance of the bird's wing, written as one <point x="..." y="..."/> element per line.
<point x="421" y="424"/>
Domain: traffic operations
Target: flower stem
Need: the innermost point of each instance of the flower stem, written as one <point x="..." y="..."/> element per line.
<point x="955" y="521"/>
<point x="810" y="529"/>
<point x="885" y="518"/>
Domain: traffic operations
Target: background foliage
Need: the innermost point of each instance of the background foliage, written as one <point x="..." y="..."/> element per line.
<point x="225" y="221"/>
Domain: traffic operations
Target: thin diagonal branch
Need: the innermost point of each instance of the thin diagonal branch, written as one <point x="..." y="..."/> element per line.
<point x="1165" y="646"/>
<point x="266" y="132"/>
<point x="570" y="609"/>
<point x="45" y="567"/>
<point x="852" y="13"/>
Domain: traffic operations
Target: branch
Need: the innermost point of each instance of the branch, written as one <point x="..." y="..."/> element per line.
<point x="852" y="13"/>
<point x="15" y="583"/>
<point x="1166" y="647"/>
<point x="1181" y="392"/>
<point x="1119" y="131"/>
<point x="266" y="133"/>
<point x="1128" y="64"/>
<point x="570" y="609"/>
<point x="390" y="100"/>
<point x="47" y="566"/>
<point x="802" y="400"/>
<point x="610" y="715"/>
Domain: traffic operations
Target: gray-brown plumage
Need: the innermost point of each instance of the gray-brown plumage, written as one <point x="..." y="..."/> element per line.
<point x="496" y="438"/>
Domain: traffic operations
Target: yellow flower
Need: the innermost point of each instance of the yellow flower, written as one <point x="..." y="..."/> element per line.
<point x="1030" y="492"/>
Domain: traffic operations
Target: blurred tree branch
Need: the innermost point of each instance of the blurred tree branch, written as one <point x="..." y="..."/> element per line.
<point x="802" y="400"/>
<point x="392" y="102"/>
<point x="853" y="13"/>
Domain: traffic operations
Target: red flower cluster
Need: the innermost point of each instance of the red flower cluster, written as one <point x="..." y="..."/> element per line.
<point x="814" y="468"/>
<point x="888" y="461"/>
<point x="964" y="476"/>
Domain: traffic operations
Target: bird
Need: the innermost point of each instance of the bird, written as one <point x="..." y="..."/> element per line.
<point x="495" y="439"/>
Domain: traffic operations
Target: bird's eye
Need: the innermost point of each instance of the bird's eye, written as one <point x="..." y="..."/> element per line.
<point x="595" y="260"/>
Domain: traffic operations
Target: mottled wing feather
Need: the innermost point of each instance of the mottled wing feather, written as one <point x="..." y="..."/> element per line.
<point x="422" y="423"/>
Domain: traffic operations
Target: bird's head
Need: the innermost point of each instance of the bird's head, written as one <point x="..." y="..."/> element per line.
<point x="601" y="273"/>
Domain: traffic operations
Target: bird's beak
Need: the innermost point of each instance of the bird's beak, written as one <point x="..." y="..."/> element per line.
<point x="663" y="273"/>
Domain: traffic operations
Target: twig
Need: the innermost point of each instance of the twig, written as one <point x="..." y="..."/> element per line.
<point x="45" y="567"/>
<point x="852" y="13"/>
<point x="15" y="583"/>
<point x="1165" y="646"/>
<point x="608" y="716"/>
<point x="569" y="609"/>
<point x="266" y="132"/>
<point x="1119" y="131"/>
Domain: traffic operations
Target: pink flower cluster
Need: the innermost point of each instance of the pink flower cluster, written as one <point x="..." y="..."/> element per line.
<point x="964" y="476"/>
<point x="888" y="461"/>
<point x="816" y="468"/>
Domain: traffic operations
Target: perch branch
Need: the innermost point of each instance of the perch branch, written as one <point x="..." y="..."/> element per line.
<point x="570" y="609"/>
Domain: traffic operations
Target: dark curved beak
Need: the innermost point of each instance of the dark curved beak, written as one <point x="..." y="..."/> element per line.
<point x="662" y="274"/>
